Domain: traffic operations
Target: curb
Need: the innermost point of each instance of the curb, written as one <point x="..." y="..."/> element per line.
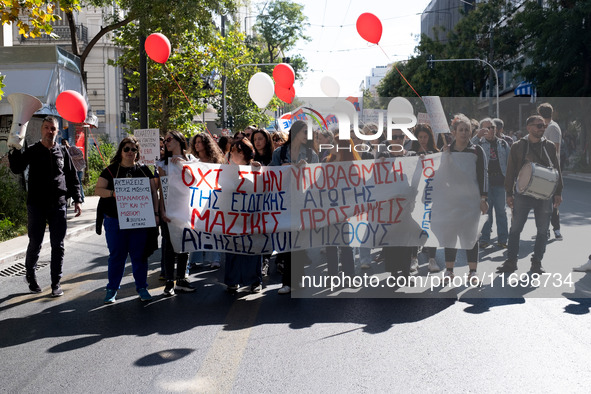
<point x="23" y="252"/>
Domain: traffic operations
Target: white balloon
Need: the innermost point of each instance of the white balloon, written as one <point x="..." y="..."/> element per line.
<point x="330" y="86"/>
<point x="261" y="89"/>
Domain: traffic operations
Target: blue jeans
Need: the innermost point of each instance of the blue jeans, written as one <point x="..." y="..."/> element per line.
<point x="542" y="212"/>
<point x="496" y="200"/>
<point x="37" y="218"/>
<point x="122" y="243"/>
<point x="80" y="176"/>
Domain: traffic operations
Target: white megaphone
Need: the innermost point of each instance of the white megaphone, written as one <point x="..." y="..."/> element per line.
<point x="23" y="108"/>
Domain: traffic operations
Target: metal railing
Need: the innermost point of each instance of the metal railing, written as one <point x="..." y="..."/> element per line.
<point x="63" y="32"/>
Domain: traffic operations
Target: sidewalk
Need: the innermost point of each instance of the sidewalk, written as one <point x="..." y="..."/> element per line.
<point x="16" y="248"/>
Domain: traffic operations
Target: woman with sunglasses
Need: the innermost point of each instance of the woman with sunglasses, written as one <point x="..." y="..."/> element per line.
<point x="122" y="243"/>
<point x="243" y="269"/>
<point x="175" y="146"/>
<point x="279" y="138"/>
<point x="207" y="151"/>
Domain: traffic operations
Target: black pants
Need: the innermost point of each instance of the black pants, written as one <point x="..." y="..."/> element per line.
<point x="471" y="254"/>
<point x="170" y="258"/>
<point x="38" y="217"/>
<point x="555" y="219"/>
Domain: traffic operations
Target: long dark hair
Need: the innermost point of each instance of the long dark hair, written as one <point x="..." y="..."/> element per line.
<point x="127" y="140"/>
<point x="246" y="148"/>
<point x="212" y="150"/>
<point x="267" y="155"/>
<point x="182" y="141"/>
<point x="297" y="127"/>
<point x="424" y="128"/>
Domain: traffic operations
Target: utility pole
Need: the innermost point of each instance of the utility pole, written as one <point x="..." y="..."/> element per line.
<point x="224" y="109"/>
<point x="143" y="84"/>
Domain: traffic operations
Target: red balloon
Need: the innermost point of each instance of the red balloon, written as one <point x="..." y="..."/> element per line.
<point x="71" y="106"/>
<point x="157" y="47"/>
<point x="284" y="75"/>
<point x="369" y="27"/>
<point x="285" y="94"/>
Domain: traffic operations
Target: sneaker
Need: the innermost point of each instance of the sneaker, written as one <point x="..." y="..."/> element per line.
<point x="448" y="276"/>
<point x="110" y="297"/>
<point x="169" y="288"/>
<point x="473" y="279"/>
<point x="216" y="264"/>
<point x="507" y="267"/>
<point x="33" y="285"/>
<point x="414" y="266"/>
<point x="184" y="285"/>
<point x="585" y="267"/>
<point x="284" y="290"/>
<point x="144" y="295"/>
<point x="56" y="290"/>
<point x="502" y="245"/>
<point x="557" y="234"/>
<point x="256" y="288"/>
<point x="536" y="267"/>
<point x="433" y="266"/>
<point x="484" y="244"/>
<point x="232" y="289"/>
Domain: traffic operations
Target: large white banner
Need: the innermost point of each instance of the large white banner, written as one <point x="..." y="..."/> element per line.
<point x="410" y="201"/>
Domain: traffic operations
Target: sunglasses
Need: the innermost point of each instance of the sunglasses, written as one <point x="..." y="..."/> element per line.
<point x="276" y="139"/>
<point x="539" y="126"/>
<point x="127" y="149"/>
<point x="168" y="139"/>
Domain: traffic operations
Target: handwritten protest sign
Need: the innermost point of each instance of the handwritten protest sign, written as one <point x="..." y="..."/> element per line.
<point x="406" y="201"/>
<point x="149" y="141"/>
<point x="134" y="203"/>
<point x="437" y="118"/>
<point x="423" y="117"/>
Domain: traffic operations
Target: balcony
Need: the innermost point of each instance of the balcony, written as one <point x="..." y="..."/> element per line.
<point x="63" y="32"/>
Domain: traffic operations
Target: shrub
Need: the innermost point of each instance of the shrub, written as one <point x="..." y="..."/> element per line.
<point x="97" y="161"/>
<point x="13" y="206"/>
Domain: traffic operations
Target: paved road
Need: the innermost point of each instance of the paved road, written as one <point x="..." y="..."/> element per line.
<point x="210" y="341"/>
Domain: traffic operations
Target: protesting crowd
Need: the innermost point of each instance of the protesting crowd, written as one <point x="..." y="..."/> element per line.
<point x="523" y="174"/>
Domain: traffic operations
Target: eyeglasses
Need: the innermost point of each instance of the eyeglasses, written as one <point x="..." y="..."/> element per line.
<point x="397" y="137"/>
<point x="168" y="139"/>
<point x="127" y="149"/>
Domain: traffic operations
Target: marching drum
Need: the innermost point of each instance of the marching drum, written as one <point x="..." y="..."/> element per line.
<point x="537" y="181"/>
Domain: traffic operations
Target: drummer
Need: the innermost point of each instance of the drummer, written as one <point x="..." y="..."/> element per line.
<point x="536" y="149"/>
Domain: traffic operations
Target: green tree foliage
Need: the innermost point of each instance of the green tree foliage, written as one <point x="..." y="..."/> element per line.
<point x="199" y="58"/>
<point x="34" y="17"/>
<point x="557" y="43"/>
<point x="13" y="208"/>
<point x="480" y="34"/>
<point x="278" y="30"/>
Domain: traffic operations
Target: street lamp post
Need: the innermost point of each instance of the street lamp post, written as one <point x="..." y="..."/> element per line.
<point x="475" y="60"/>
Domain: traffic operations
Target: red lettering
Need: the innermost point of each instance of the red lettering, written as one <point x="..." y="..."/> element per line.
<point x="197" y="215"/>
<point x="184" y="172"/>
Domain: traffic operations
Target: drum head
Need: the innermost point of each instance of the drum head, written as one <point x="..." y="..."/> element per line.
<point x="524" y="177"/>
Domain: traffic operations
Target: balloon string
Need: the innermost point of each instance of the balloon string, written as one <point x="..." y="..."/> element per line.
<point x="399" y="72"/>
<point x="97" y="148"/>
<point x="189" y="101"/>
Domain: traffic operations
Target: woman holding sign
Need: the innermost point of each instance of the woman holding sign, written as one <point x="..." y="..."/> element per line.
<point x="241" y="268"/>
<point x="124" y="242"/>
<point x="207" y="151"/>
<point x="175" y="146"/>
<point x="298" y="150"/>
<point x="461" y="130"/>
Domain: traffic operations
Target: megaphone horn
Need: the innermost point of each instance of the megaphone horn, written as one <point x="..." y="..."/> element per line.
<point x="23" y="108"/>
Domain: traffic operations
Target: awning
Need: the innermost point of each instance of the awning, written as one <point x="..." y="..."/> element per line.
<point x="524" y="89"/>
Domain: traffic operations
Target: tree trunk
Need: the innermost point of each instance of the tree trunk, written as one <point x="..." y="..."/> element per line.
<point x="73" y="37"/>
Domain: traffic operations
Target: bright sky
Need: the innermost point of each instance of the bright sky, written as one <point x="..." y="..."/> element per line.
<point x="336" y="49"/>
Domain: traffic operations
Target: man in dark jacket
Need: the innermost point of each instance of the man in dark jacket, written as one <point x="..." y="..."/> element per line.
<point x="52" y="179"/>
<point x="533" y="148"/>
